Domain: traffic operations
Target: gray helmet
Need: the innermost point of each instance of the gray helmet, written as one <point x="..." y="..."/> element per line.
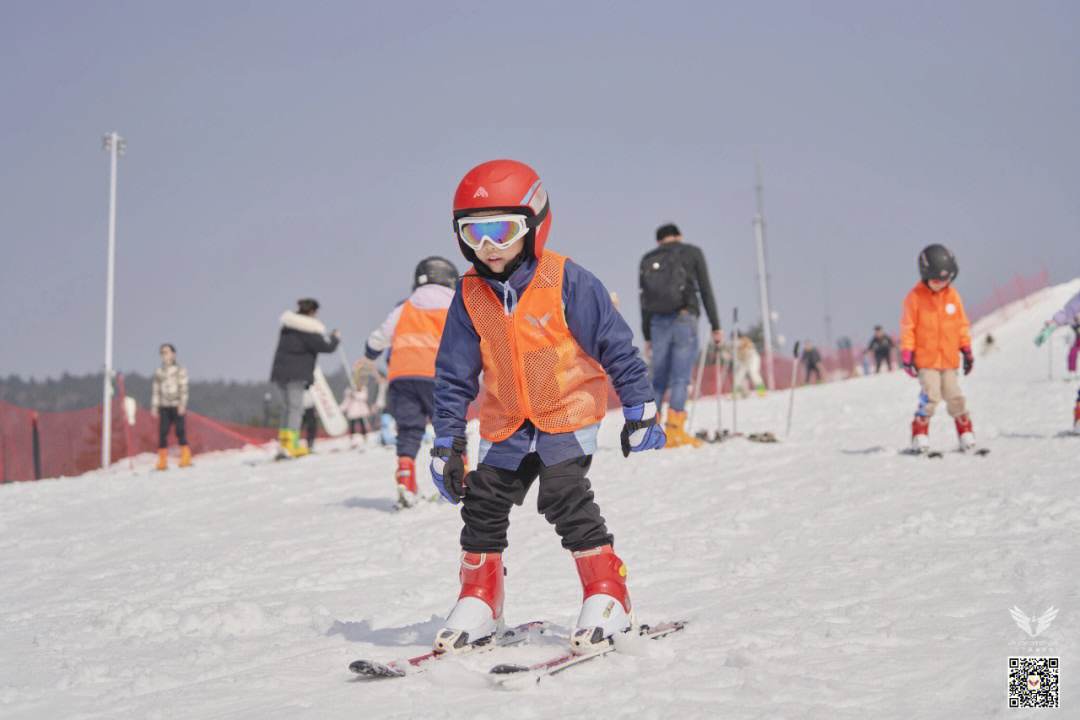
<point x="435" y="270"/>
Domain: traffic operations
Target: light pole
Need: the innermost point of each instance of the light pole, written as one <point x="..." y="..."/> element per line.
<point x="763" y="282"/>
<point x="114" y="145"/>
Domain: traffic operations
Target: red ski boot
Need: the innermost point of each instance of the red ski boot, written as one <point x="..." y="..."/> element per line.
<point x="920" y="434"/>
<point x="605" y="609"/>
<point x="478" y="612"/>
<point x="1076" y="419"/>
<point x="965" y="432"/>
<point x="406" y="481"/>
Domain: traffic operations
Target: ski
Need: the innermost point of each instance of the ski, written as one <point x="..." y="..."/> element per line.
<point x="932" y="454"/>
<point x="410" y="666"/>
<point x="567" y="660"/>
<point x="400" y="504"/>
<point x="937" y="454"/>
<point x="977" y="451"/>
<point x="762" y="437"/>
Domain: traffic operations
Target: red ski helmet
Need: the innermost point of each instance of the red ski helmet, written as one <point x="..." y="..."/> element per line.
<point x="504" y="185"/>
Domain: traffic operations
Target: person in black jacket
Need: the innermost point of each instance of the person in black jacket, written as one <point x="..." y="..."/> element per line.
<point x="881" y="345"/>
<point x="811" y="357"/>
<point x="302" y="338"/>
<point x="672" y="277"/>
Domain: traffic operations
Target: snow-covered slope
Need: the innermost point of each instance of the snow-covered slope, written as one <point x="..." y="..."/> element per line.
<point x="824" y="577"/>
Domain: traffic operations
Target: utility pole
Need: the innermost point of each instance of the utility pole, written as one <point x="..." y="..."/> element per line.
<point x="828" y="312"/>
<point x="763" y="280"/>
<point x="114" y="145"/>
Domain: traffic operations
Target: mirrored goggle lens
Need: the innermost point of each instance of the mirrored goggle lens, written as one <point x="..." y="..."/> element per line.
<point x="499" y="232"/>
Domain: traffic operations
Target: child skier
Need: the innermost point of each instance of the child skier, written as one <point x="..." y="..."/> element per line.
<point x="1067" y="315"/>
<point x="355" y="406"/>
<point x="168" y="403"/>
<point x="543" y="331"/>
<point x="934" y="334"/>
<point x="412" y="332"/>
<point x="747" y="370"/>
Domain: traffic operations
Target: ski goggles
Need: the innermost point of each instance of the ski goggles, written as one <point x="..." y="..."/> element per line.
<point x="502" y="231"/>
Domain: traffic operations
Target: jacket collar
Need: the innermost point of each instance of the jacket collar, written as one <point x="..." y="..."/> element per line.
<point x="303" y="323"/>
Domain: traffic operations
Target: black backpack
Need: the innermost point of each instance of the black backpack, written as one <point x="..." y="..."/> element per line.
<point x="665" y="284"/>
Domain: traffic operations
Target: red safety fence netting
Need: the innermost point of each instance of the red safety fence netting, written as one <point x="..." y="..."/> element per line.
<point x="70" y="442"/>
<point x="1018" y="288"/>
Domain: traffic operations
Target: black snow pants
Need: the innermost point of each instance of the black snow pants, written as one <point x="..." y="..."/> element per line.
<point x="565" y="499"/>
<point x="167" y="416"/>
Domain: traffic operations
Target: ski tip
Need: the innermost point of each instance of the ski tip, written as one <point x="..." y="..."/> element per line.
<point x="369" y="669"/>
<point x="663" y="628"/>
<point x="508" y="669"/>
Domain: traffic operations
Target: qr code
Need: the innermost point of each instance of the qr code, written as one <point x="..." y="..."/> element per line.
<point x="1033" y="682"/>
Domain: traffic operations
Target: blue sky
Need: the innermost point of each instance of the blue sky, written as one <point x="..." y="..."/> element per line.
<point x="283" y="150"/>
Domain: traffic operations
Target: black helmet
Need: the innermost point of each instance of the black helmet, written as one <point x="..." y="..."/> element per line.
<point x="435" y="270"/>
<point x="936" y="262"/>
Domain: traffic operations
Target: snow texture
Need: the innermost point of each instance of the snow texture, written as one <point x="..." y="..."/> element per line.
<point x="823" y="577"/>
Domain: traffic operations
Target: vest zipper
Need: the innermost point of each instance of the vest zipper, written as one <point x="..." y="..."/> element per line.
<point x="519" y="368"/>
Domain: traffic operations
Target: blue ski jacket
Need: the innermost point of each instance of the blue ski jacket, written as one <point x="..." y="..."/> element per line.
<point x="596" y="326"/>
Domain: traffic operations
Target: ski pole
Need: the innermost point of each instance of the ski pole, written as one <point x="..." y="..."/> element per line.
<point x="348" y="368"/>
<point x="791" y="399"/>
<point x="697" y="388"/>
<point x="734" y="353"/>
<point x="719" y="395"/>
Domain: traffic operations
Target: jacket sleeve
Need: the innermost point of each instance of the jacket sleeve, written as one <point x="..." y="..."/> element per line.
<point x="1067" y="314"/>
<point x="317" y="342"/>
<point x="382" y="336"/>
<point x="155" y="392"/>
<point x="457" y="370"/>
<point x="182" y="383"/>
<point x="646" y="317"/>
<point x="603" y="333"/>
<point x="701" y="274"/>
<point x="907" y="322"/>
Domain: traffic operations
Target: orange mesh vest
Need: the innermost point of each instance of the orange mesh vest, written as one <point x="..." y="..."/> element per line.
<point x="416" y="342"/>
<point x="533" y="367"/>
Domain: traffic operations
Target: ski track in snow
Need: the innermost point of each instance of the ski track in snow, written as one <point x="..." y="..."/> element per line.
<point x="824" y="577"/>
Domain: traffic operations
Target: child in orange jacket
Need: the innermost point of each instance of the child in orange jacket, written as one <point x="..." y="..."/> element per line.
<point x="411" y="333"/>
<point x="935" y="334"/>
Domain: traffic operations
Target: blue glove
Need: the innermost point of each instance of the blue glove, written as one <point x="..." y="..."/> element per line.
<point x="448" y="468"/>
<point x="640" y="431"/>
<point x="387" y="435"/>
<point x="1045" y="333"/>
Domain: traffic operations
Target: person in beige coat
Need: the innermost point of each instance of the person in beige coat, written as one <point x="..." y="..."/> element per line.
<point x="168" y="403"/>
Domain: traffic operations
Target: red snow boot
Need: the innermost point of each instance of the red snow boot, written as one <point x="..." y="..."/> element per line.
<point x="478" y="612"/>
<point x="406" y="480"/>
<point x="605" y="608"/>
<point x="1076" y="419"/>
<point x="965" y="432"/>
<point x="920" y="432"/>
